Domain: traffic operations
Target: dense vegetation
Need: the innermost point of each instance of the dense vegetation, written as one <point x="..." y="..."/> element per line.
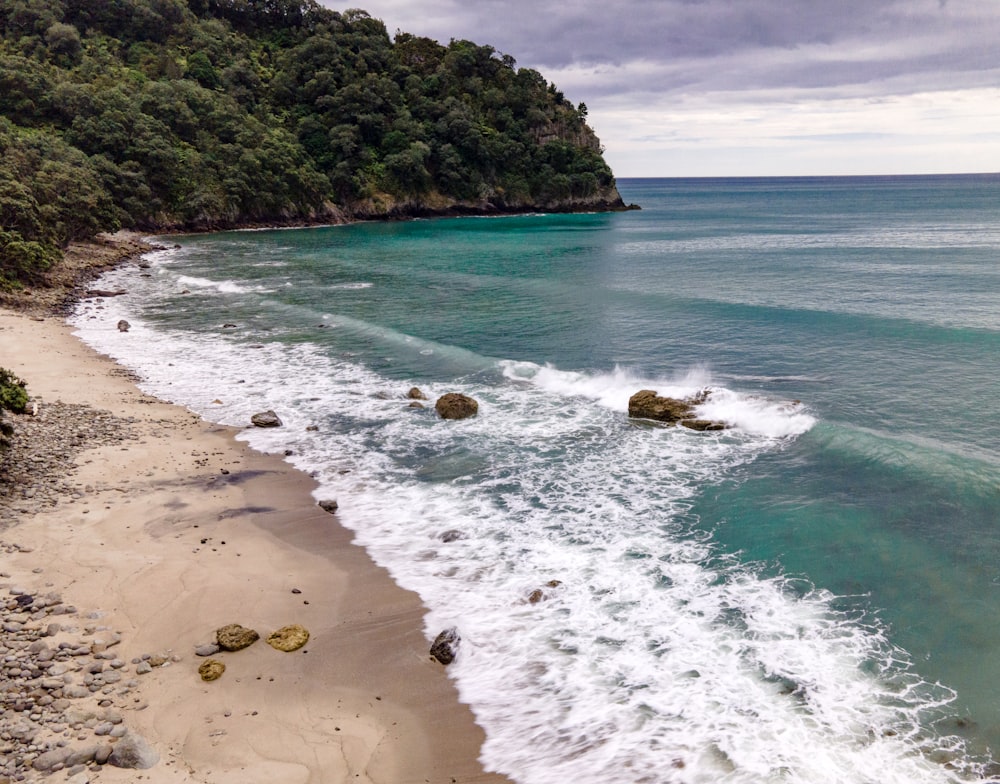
<point x="196" y="114"/>
<point x="13" y="397"/>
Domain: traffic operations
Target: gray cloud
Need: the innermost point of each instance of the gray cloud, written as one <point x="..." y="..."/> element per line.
<point x="728" y="44"/>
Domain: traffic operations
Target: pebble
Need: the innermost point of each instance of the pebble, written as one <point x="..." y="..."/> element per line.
<point x="49" y="719"/>
<point x="36" y="471"/>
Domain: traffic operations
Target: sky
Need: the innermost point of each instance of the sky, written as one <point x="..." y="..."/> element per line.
<point x="705" y="88"/>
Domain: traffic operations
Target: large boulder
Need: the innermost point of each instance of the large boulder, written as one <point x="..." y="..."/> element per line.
<point x="455" y="405"/>
<point x="134" y="753"/>
<point x="266" y="419"/>
<point x="445" y="646"/>
<point x="234" y="637"/>
<point x="646" y="404"/>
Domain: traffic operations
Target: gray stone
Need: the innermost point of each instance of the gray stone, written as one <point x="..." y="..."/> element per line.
<point x="49" y="759"/>
<point x="209" y="649"/>
<point x="81" y="756"/>
<point x="134" y="753"/>
<point x="266" y="419"/>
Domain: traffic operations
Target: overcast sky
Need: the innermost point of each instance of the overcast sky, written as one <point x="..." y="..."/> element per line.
<point x="754" y="87"/>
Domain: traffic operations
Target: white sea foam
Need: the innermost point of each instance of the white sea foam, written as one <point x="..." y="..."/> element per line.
<point x="351" y="286"/>
<point x="222" y="286"/>
<point x="651" y="657"/>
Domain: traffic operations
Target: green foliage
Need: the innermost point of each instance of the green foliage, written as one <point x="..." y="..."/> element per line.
<point x="13" y="395"/>
<point x="214" y="113"/>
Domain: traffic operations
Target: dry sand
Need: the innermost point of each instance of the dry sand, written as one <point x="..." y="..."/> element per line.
<point x="178" y="530"/>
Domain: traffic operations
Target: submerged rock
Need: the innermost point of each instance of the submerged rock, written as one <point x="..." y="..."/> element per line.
<point x="445" y="646"/>
<point x="455" y="405"/>
<point x="123" y="326"/>
<point x="330" y="506"/>
<point x="266" y="419"/>
<point x="702" y="424"/>
<point x="415" y="393"/>
<point x="288" y="638"/>
<point x="234" y="637"/>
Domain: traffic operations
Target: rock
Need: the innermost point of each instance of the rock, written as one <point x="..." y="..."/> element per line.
<point x="209" y="649"/>
<point x="123" y="326"/>
<point x="452" y="536"/>
<point x="103" y="754"/>
<point x="143" y="668"/>
<point x="134" y="753"/>
<point x="330" y="506"/>
<point x="288" y="638"/>
<point x="445" y="646"/>
<point x="455" y="405"/>
<point x="536" y="596"/>
<point x="234" y="637"/>
<point x="49" y="759"/>
<point x="266" y="419"/>
<point x="415" y="393"/>
<point x="703" y="424"/>
<point x="646" y="404"/>
<point x="95" y="293"/>
<point x="211" y="670"/>
<point x="81" y="756"/>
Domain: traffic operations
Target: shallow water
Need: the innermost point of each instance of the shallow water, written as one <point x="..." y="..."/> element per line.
<point x="810" y="596"/>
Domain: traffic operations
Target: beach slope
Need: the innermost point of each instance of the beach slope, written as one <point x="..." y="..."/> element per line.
<point x="149" y="528"/>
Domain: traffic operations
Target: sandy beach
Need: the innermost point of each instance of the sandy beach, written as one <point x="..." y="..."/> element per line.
<point x="167" y="529"/>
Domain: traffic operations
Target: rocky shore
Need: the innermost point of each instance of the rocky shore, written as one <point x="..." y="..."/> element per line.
<point x="36" y="473"/>
<point x="65" y="688"/>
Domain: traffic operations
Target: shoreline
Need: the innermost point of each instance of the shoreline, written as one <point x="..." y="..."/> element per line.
<point x="169" y="528"/>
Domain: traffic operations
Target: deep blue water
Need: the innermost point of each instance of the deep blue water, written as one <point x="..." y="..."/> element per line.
<point x="810" y="596"/>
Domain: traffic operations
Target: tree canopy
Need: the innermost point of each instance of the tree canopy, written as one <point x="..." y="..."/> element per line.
<point x="196" y="114"/>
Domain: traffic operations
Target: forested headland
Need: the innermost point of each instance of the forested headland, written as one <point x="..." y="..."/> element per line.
<point x="208" y="114"/>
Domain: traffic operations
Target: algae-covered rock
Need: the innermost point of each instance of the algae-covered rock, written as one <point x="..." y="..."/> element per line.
<point x="288" y="638"/>
<point x="234" y="637"/>
<point x="455" y="405"/>
<point x="211" y="670"/>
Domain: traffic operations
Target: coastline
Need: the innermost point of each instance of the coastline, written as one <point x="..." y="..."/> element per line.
<point x="169" y="528"/>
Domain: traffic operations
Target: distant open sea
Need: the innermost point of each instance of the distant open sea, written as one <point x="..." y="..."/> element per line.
<point x="812" y="596"/>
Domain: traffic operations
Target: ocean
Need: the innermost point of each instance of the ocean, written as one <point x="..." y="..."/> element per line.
<point x="811" y="596"/>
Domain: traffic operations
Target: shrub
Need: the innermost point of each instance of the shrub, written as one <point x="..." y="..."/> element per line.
<point x="13" y="395"/>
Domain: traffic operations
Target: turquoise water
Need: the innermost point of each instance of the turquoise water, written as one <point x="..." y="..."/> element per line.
<point x="810" y="596"/>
